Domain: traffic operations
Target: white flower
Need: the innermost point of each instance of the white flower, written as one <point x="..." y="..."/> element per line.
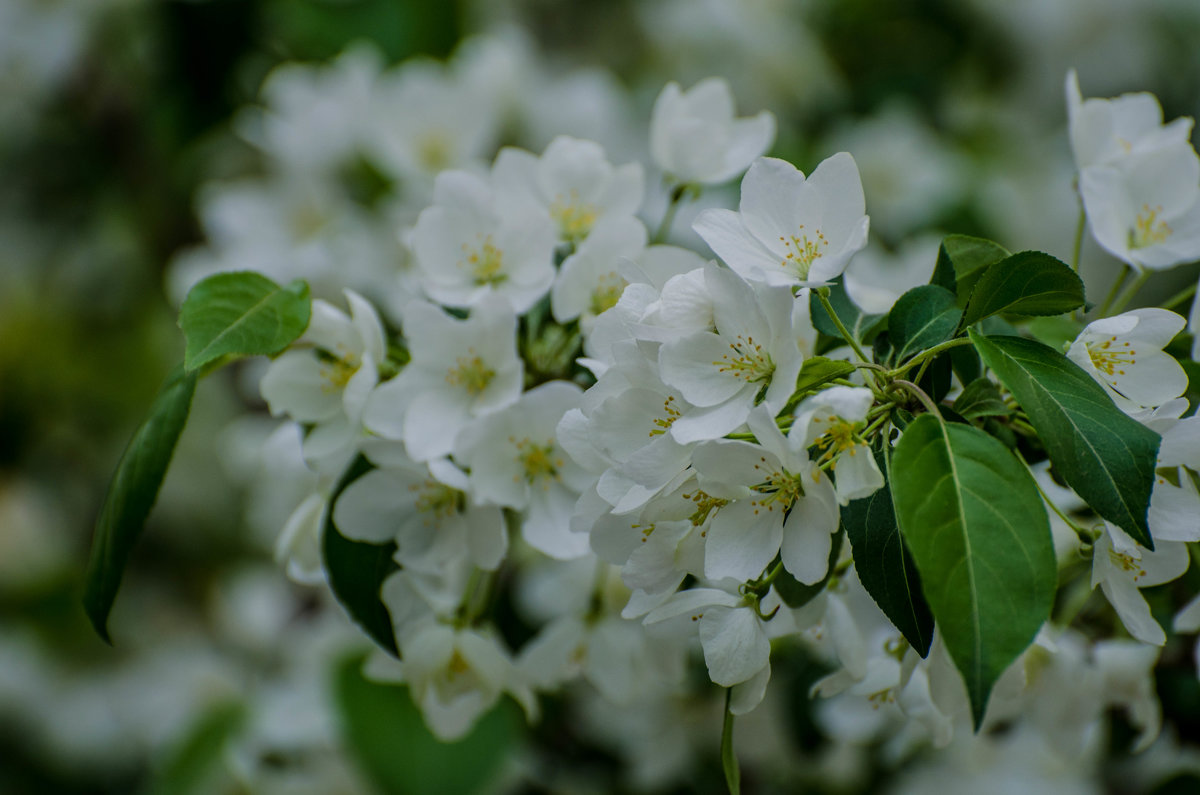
<point x="454" y="676"/>
<point x="736" y="648"/>
<point x="1120" y="567"/>
<point x="752" y="358"/>
<point x="459" y="369"/>
<point x="516" y="462"/>
<point x="1144" y="209"/>
<point x="591" y="281"/>
<point x="1124" y="354"/>
<point x="1175" y="501"/>
<point x="424" y="509"/>
<point x="1104" y="131"/>
<point x="695" y="138"/>
<point x="779" y="503"/>
<point x="469" y="244"/>
<point x="790" y="230"/>
<point x="831" y="419"/>
<point x="572" y="181"/>
<point x="327" y="376"/>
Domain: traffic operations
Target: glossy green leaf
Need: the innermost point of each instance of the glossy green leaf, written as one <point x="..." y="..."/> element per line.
<point x="1104" y="455"/>
<point x="981" y="398"/>
<point x="977" y="529"/>
<point x="241" y="314"/>
<point x="1027" y="283"/>
<point x="356" y="569"/>
<point x="818" y="371"/>
<point x="384" y="732"/>
<point x="922" y="317"/>
<point x="885" y="567"/>
<point x="962" y="259"/>
<point x="132" y="493"/>
<point x="862" y="326"/>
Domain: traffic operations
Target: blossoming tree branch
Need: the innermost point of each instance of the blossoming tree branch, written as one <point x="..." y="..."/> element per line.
<point x="722" y="454"/>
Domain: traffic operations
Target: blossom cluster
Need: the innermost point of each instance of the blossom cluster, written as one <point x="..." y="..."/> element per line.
<point x="539" y="390"/>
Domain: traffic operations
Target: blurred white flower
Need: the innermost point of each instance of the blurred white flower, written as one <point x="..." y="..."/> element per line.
<point x="695" y="138"/>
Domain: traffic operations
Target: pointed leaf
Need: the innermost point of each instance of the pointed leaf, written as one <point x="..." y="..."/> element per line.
<point x="357" y="569"/>
<point x="885" y="567"/>
<point x="922" y="317"/>
<point x="818" y="371"/>
<point x="977" y="529"/>
<point x="1104" y="455"/>
<point x="241" y="314"/>
<point x="962" y="260"/>
<point x="132" y="493"/>
<point x="1028" y="283"/>
<point x="981" y="398"/>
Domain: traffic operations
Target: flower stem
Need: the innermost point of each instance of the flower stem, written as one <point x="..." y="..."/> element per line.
<point x="1130" y="292"/>
<point x="919" y="393"/>
<point x="1078" y="238"/>
<point x="733" y="778"/>
<point x="928" y="354"/>
<point x="1179" y="297"/>
<point x="822" y="295"/>
<point x="1112" y="291"/>
<point x="664" y="228"/>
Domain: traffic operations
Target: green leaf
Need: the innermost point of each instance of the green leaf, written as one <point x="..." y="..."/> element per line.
<point x="241" y="314"/>
<point x="1028" y="283"/>
<point x="357" y="569"/>
<point x="1104" y="455"/>
<point x="981" y="398"/>
<point x="795" y="593"/>
<point x="190" y="766"/>
<point x="977" y="529"/>
<point x="132" y="493"/>
<point x="384" y="731"/>
<point x="922" y="317"/>
<point x="818" y="371"/>
<point x="962" y="260"/>
<point x="861" y="326"/>
<point x="885" y="567"/>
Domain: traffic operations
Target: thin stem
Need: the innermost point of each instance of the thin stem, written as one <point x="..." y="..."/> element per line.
<point x="1116" y="287"/>
<point x="733" y="777"/>
<point x="875" y="425"/>
<point x="1130" y="291"/>
<point x="837" y="322"/>
<point x="919" y="393"/>
<point x="1179" y="297"/>
<point x="1078" y="239"/>
<point x="664" y="228"/>
<point x="928" y="354"/>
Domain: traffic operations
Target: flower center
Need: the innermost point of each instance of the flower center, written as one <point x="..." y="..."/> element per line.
<point x="705" y="505"/>
<point x="608" y="291"/>
<point x="1109" y="359"/>
<point x="1148" y="229"/>
<point x="1126" y="562"/>
<point x="747" y="361"/>
<point x="802" y="252"/>
<point x="671" y="413"/>
<point x="486" y="263"/>
<point x="433" y="151"/>
<point x="781" y="488"/>
<point x="575" y="218"/>
<point x="538" y="461"/>
<point x="839" y="437"/>
<point x="471" y="374"/>
<point x="337" y="368"/>
<point x="438" y="500"/>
